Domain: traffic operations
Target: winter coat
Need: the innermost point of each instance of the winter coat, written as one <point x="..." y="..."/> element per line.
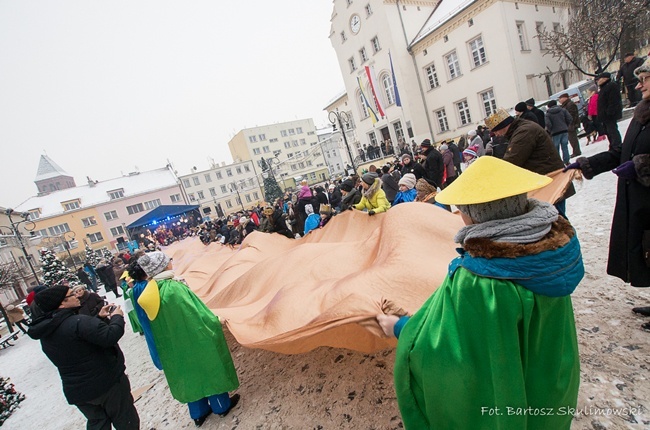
<point x="350" y="199"/>
<point x="448" y="162"/>
<point x="84" y="349"/>
<point x="455" y="152"/>
<point x="91" y="304"/>
<point x="610" y="104"/>
<point x="107" y="276"/>
<point x="495" y="292"/>
<point x="390" y="184"/>
<point x="478" y="143"/>
<point x="539" y="114"/>
<point x="632" y="208"/>
<point x="627" y="71"/>
<point x="415" y="168"/>
<point x="530" y="116"/>
<point x="405" y="197"/>
<point x="433" y="167"/>
<point x="573" y="111"/>
<point x="592" y="107"/>
<point x="15" y="315"/>
<point x="530" y="147"/>
<point x="335" y="198"/>
<point x="312" y="222"/>
<point x="558" y="120"/>
<point x="377" y="202"/>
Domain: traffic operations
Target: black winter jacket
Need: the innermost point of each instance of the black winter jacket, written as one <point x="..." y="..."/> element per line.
<point x="84" y="349"/>
<point x="610" y="105"/>
<point x="434" y="167"/>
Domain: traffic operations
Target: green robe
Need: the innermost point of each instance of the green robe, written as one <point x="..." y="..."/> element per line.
<point x="479" y="344"/>
<point x="133" y="317"/>
<point x="191" y="345"/>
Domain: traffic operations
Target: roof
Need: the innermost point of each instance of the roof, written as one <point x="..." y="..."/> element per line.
<point x="161" y="213"/>
<point x="47" y="169"/>
<point x="445" y="11"/>
<point x="133" y="184"/>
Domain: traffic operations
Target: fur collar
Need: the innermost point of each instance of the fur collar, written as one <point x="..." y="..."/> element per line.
<point x="560" y="234"/>
<point x="642" y="112"/>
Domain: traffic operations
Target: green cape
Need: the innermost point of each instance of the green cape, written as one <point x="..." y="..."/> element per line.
<point x="191" y="345"/>
<point x="478" y="344"/>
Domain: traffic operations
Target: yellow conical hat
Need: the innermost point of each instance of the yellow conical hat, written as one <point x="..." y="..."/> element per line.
<point x="489" y="179"/>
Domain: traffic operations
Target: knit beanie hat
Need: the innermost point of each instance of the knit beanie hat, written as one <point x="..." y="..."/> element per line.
<point x="444" y="147"/>
<point x="309" y="209"/>
<point x="426" y="143"/>
<point x="51" y="298"/>
<point x="369" y="178"/>
<point x="508" y="207"/>
<point x="521" y="107"/>
<point x="153" y="263"/>
<point x="408" y="180"/>
<point x="470" y="152"/>
<point x="645" y="67"/>
<point x="471" y="133"/>
<point x="423" y="186"/>
<point x="409" y="156"/>
<point x="347" y="185"/>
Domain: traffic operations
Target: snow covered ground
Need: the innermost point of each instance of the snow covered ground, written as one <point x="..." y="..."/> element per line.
<point x="330" y="388"/>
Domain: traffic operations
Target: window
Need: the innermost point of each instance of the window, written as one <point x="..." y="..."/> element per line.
<point x="248" y="198"/>
<point x="213" y="192"/>
<point x="56" y="230"/>
<point x="368" y="10"/>
<point x="301" y="165"/>
<point x="539" y="27"/>
<point x="375" y="44"/>
<point x="186" y="183"/>
<point x="287" y="144"/>
<point x="362" y="106"/>
<point x="293" y="167"/>
<point x="463" y="112"/>
<point x="134" y="209"/>
<point x="389" y="91"/>
<point x="251" y="182"/>
<point x="228" y="204"/>
<point x="224" y="189"/>
<point x="262" y="137"/>
<point x="238" y="170"/>
<point x="95" y="237"/>
<point x="256" y="196"/>
<point x="290" y="155"/>
<point x="151" y="204"/>
<point x="312" y="176"/>
<point x="116" y="194"/>
<point x="432" y="76"/>
<point x="443" y="125"/>
<point x="219" y="175"/>
<point x="228" y="172"/>
<point x="478" y="52"/>
<point x="208" y="177"/>
<point x="303" y="142"/>
<point x="373" y="138"/>
<point x="452" y="65"/>
<point x="70" y="206"/>
<point x="110" y="215"/>
<point x="252" y="139"/>
<point x="557" y="27"/>
<point x="191" y="197"/>
<point x="294" y="143"/>
<point x="90" y="221"/>
<point x="275" y="139"/>
<point x="283" y="133"/>
<point x="343" y="37"/>
<point x="34" y="214"/>
<point x="266" y="149"/>
<point x="489" y="102"/>
<point x="521" y="34"/>
<point x="292" y="132"/>
<point x="352" y="64"/>
<point x="246" y="168"/>
<point x="175" y="198"/>
<point x="200" y="195"/>
<point x="117" y="231"/>
<point x="399" y="131"/>
<point x="298" y="130"/>
<point x="195" y="179"/>
<point x="363" y="55"/>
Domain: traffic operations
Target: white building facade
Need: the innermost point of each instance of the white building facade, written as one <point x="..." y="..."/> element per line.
<point x="453" y="62"/>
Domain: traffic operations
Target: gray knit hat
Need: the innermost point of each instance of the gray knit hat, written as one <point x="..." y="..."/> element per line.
<point x="408" y="180"/>
<point x="645" y="67"/>
<point x="369" y="178"/>
<point x="153" y="263"/>
<point x="508" y="207"/>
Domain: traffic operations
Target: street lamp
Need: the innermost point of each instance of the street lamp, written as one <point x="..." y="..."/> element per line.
<point x="342" y="118"/>
<point x="67" y="237"/>
<point x="233" y="187"/>
<point x="29" y="226"/>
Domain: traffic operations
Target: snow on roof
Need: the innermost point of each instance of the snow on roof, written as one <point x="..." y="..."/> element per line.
<point x="446" y="10"/>
<point x="47" y="169"/>
<point x="97" y="193"/>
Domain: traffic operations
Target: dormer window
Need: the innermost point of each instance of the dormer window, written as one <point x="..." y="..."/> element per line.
<point x="34" y="214"/>
<point x="71" y="205"/>
<point x="116" y="194"/>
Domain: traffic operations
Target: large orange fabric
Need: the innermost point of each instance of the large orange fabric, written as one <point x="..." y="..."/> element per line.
<point x="292" y="296"/>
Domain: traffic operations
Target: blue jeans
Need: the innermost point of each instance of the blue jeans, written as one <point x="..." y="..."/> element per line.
<point x="219" y="403"/>
<point x="562" y="140"/>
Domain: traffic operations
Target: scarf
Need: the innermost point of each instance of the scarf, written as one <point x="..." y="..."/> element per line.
<point x="527" y="228"/>
<point x="642" y="112"/>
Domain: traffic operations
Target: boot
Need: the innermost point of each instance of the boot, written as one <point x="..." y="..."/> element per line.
<point x="645" y="311"/>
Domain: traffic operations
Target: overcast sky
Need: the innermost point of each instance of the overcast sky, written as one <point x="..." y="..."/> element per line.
<point x="104" y="87"/>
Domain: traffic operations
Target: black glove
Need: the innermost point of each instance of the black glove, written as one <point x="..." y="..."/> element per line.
<point x="350" y="208"/>
<point x="371" y="212"/>
<point x="574" y="165"/>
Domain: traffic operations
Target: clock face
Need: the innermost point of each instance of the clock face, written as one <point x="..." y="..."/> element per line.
<point x="355" y="23"/>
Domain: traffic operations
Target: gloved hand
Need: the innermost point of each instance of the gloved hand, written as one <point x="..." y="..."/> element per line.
<point x="625" y="170"/>
<point x="371" y="212"/>
<point x="351" y="208"/>
<point x="574" y="165"/>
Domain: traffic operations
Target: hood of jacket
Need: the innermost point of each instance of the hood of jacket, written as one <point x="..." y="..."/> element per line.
<point x="48" y="323"/>
<point x="554" y="110"/>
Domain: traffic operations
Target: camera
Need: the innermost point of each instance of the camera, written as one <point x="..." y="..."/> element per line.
<point x="111" y="308"/>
